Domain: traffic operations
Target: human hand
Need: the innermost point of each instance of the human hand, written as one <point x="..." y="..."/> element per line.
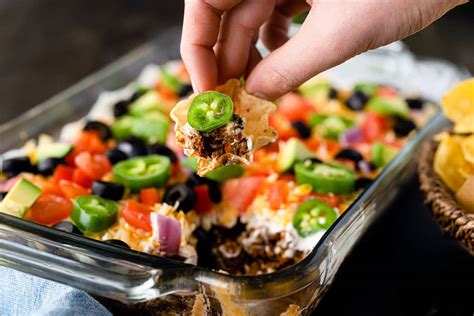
<point x="219" y="37"/>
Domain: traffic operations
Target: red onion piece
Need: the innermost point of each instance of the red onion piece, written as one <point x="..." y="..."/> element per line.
<point x="6" y="185"/>
<point x="351" y="137"/>
<point x="365" y="167"/>
<point x="169" y="232"/>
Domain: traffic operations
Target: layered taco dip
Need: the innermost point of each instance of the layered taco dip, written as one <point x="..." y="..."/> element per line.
<point x="237" y="198"/>
<point x="454" y="157"/>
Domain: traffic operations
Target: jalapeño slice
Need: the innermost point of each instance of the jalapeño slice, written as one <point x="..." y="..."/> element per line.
<point x="210" y="110"/>
<point x="143" y="172"/>
<point x="93" y="214"/>
<point x="326" y="178"/>
<point x="312" y="216"/>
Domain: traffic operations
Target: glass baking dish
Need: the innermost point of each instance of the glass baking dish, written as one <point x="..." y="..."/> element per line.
<point x="132" y="277"/>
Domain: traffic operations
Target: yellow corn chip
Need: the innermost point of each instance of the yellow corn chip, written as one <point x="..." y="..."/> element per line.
<point x="254" y="113"/>
<point x="448" y="161"/>
<point x="465" y="195"/>
<point x="458" y="106"/>
<point x="467" y="147"/>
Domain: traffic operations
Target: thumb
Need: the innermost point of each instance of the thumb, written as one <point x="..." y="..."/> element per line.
<point x="320" y="43"/>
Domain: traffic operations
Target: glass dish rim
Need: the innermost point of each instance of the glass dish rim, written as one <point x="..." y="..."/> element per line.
<point x="166" y="263"/>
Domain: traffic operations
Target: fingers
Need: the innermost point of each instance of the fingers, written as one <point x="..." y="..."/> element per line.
<point x="317" y="47"/>
<point x="254" y="56"/>
<point x="274" y="33"/>
<point x="335" y="31"/>
<point x="239" y="27"/>
<point x="201" y="24"/>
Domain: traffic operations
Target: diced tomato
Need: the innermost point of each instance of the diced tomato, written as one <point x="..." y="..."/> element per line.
<point x="374" y="126"/>
<point x="90" y="141"/>
<point x="203" y="201"/>
<point x="72" y="190"/>
<point x="80" y="178"/>
<point x="93" y="166"/>
<point x="50" y="209"/>
<point x="329" y="199"/>
<point x="287" y="177"/>
<point x="333" y="147"/>
<point x="313" y="143"/>
<point x="277" y="193"/>
<point x="149" y="196"/>
<point x="137" y="215"/>
<point x="258" y="171"/>
<point x="62" y="172"/>
<point x="282" y="125"/>
<point x="183" y="73"/>
<point x="386" y="91"/>
<point x="295" y="107"/>
<point x="71" y="157"/>
<point x="165" y="92"/>
<point x="240" y="193"/>
<point x="47" y="187"/>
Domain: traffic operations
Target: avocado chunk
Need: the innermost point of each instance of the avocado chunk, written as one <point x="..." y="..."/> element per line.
<point x="330" y="126"/>
<point x="149" y="102"/>
<point x="20" y="198"/>
<point x="170" y="80"/>
<point x="151" y="127"/>
<point x="315" y="89"/>
<point x="368" y="88"/>
<point x="292" y="151"/>
<point x="190" y="163"/>
<point x="221" y="174"/>
<point x="52" y="150"/>
<point x="382" y="154"/>
<point x="225" y="173"/>
<point x="389" y="106"/>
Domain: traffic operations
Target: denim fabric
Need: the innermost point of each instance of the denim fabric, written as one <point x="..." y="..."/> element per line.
<point x="23" y="294"/>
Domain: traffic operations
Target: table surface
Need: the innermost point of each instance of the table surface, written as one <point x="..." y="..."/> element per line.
<point x="402" y="266"/>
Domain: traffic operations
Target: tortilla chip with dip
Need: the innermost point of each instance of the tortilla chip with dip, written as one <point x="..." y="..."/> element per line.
<point x="207" y="127"/>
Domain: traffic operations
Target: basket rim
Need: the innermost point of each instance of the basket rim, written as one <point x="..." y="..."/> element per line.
<point x="438" y="197"/>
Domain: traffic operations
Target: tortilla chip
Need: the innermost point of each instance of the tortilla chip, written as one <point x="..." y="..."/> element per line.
<point x="458" y="106"/>
<point x="464" y="195"/>
<point x="467" y="146"/>
<point x="254" y="112"/>
<point x="449" y="163"/>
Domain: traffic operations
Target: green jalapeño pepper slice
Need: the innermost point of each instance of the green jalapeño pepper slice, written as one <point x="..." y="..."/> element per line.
<point x="143" y="172"/>
<point x="92" y="213"/>
<point x="312" y="216"/>
<point x="326" y="178"/>
<point x="210" y="110"/>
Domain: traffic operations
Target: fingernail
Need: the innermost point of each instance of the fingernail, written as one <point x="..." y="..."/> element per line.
<point x="260" y="95"/>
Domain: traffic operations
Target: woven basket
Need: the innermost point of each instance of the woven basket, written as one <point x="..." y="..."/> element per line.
<point x="447" y="212"/>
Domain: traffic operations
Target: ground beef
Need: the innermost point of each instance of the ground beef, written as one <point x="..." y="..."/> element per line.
<point x="226" y="139"/>
<point x="243" y="251"/>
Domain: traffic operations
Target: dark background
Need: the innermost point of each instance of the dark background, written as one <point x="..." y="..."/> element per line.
<point x="402" y="266"/>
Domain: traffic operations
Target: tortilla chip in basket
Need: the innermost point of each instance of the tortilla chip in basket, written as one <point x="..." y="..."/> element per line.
<point x="458" y="106"/>
<point x="449" y="162"/>
<point x="256" y="130"/>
